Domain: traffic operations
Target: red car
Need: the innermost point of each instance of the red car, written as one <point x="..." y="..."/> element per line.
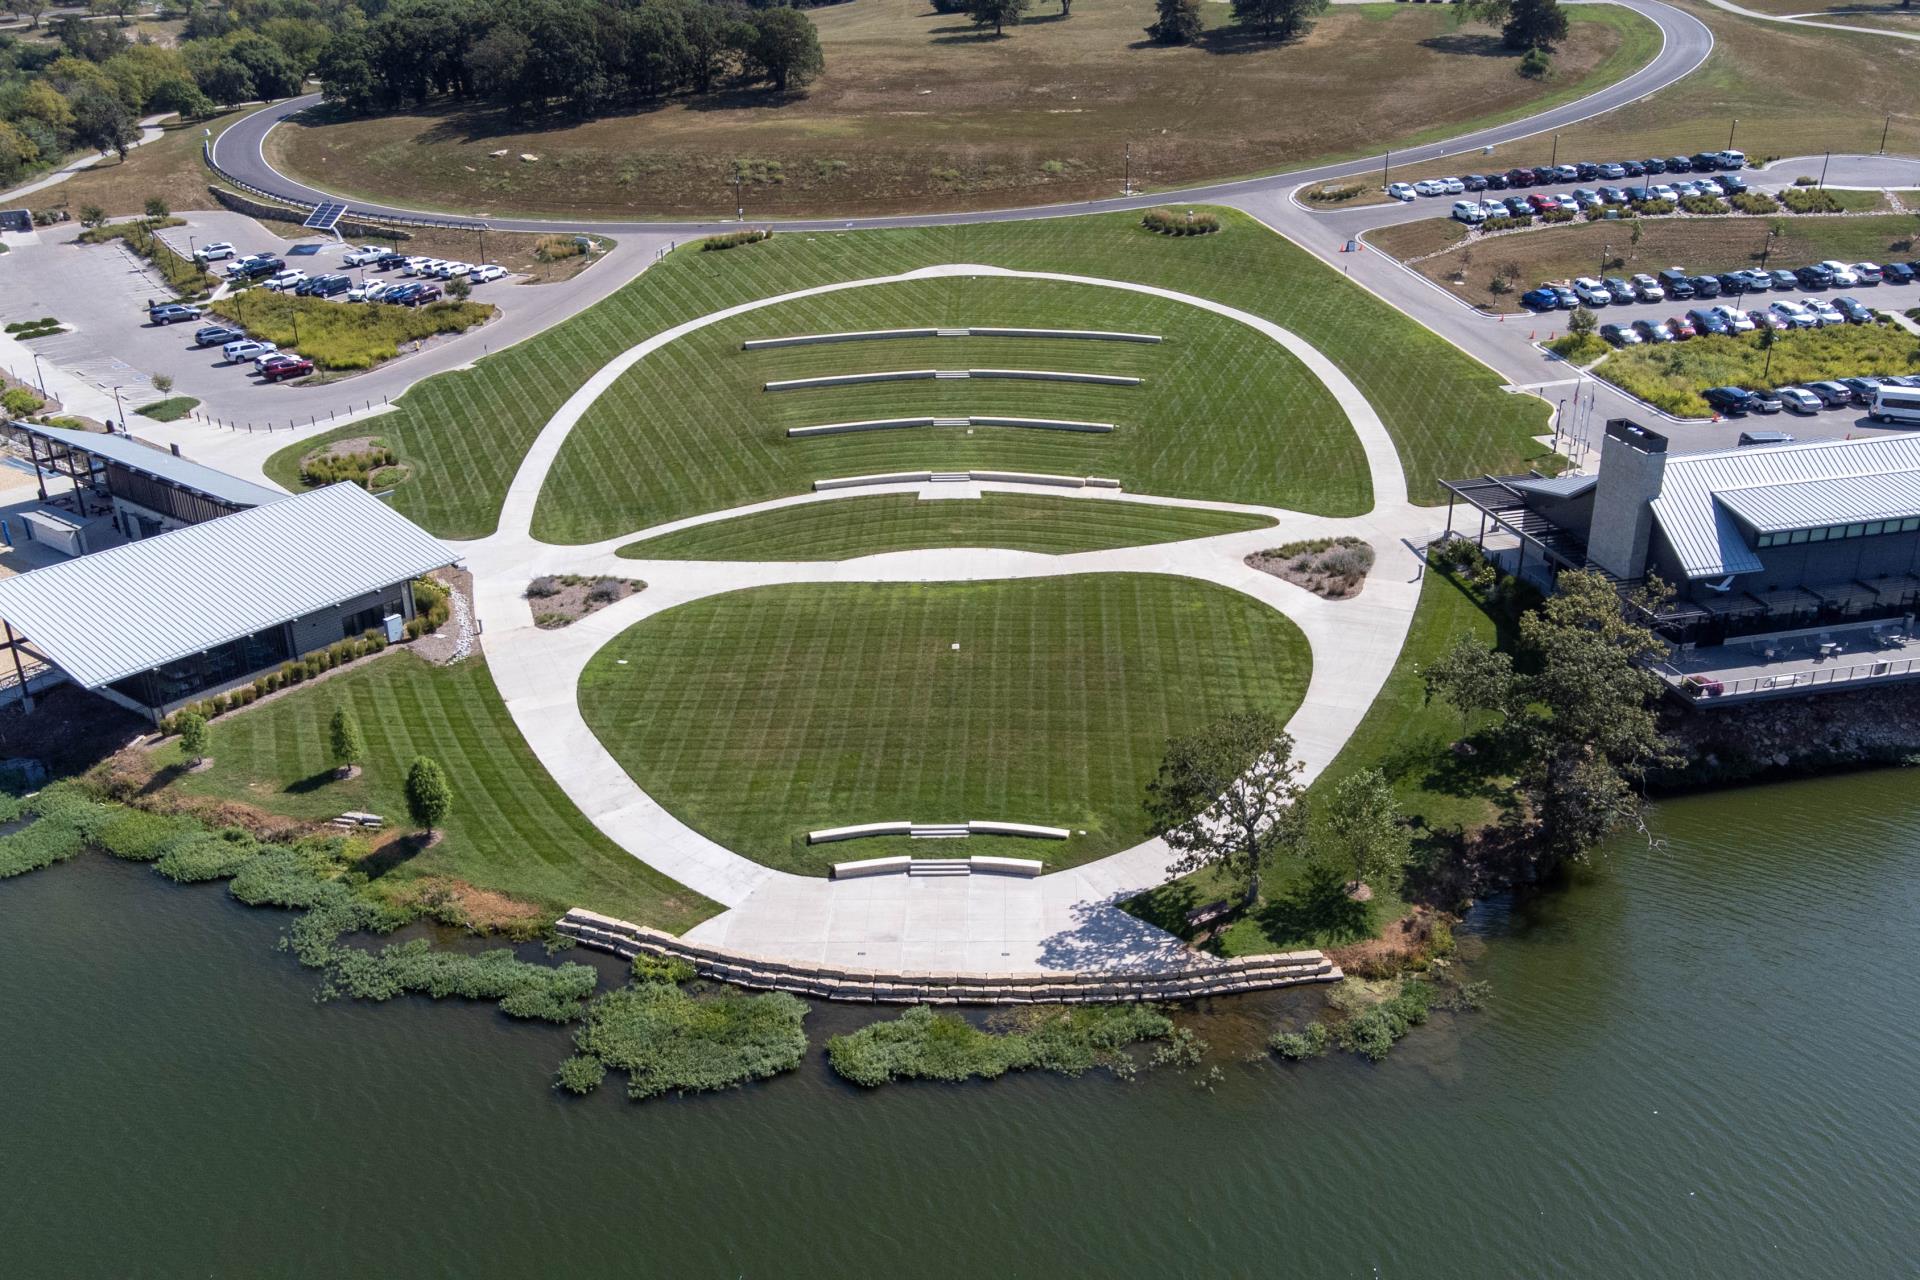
<point x="280" y="368"/>
<point x="1682" y="328"/>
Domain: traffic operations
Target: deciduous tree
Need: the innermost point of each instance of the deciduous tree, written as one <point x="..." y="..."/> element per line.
<point x="192" y="727"/>
<point x="1228" y="795"/>
<point x="1357" y="829"/>
<point x="998" y="14"/>
<point x="429" y="798"/>
<point x="786" y="47"/>
<point x="1524" y="24"/>
<point x="344" y="739"/>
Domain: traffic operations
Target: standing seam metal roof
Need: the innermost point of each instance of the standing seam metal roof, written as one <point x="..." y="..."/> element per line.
<point x="109" y="615"/>
<point x="1820" y="482"/>
<point x="161" y="465"/>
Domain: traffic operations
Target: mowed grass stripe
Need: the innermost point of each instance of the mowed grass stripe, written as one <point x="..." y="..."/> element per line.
<point x="843" y="703"/>
<point x="511" y="830"/>
<point x="1223" y="412"/>
<point x="465" y="432"/>
<point x="849" y="527"/>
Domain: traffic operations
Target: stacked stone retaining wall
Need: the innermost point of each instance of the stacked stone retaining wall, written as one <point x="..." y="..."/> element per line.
<point x="1203" y="976"/>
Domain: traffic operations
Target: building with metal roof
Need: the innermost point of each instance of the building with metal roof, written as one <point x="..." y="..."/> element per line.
<point x="1775" y="546"/>
<point x="160" y="622"/>
<point x="145" y="490"/>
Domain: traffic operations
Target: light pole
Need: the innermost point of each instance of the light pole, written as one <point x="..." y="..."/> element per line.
<point x="1555" y="157"/>
<point x="1127" y="184"/>
<point x="1386" y="164"/>
<point x="1559" y="423"/>
<point x="1730" y="129"/>
<point x="39" y="381"/>
<point x="1883" y="134"/>
<point x="739" y="201"/>
<point x="1606" y="256"/>
<point x="1823" y="168"/>
<point x="1766" y="249"/>
<point x="121" y="409"/>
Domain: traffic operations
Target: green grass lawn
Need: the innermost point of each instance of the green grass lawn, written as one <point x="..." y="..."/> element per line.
<point x="1407" y="738"/>
<point x="465" y="432"/>
<point x="172" y="409"/>
<point x="1674" y="375"/>
<point x="511" y="830"/>
<point x="849" y="527"/>
<point x="846" y="703"/>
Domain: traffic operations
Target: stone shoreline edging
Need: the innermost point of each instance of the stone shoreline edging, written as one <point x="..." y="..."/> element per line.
<point x="951" y="375"/>
<point x="974" y="331"/>
<point x="1204" y="977"/>
<point x="891" y="424"/>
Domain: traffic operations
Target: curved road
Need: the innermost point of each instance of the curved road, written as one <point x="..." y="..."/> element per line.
<point x="1685" y="44"/>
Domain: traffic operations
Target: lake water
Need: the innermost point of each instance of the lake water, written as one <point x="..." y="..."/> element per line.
<point x="1700" y="1060"/>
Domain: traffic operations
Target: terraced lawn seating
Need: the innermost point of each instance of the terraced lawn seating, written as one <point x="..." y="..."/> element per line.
<point x="466" y="432"/>
<point x="848" y="699"/>
<point x="962" y="477"/>
<point x="511" y="831"/>
<point x="892" y="424"/>
<point x="849" y="527"/>
<point x="971" y="331"/>
<point x="923" y="375"/>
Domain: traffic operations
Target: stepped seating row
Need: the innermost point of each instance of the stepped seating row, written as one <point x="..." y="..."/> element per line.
<point x="922" y="375"/>
<point x="1204" y="977"/>
<point x="900" y="864"/>
<point x="962" y="477"/>
<point x="1028" y="830"/>
<point x="891" y="424"/>
<point x="874" y="335"/>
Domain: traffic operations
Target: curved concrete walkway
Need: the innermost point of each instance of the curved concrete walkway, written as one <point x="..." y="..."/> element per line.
<point x="1067" y="920"/>
<point x="150" y="131"/>
<point x="1805" y="20"/>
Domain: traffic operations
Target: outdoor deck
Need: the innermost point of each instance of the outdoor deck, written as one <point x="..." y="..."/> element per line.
<point x="1793" y="664"/>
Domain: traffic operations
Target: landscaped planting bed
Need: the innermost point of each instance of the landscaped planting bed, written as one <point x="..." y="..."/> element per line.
<point x="849" y="527"/>
<point x="1672" y="376"/>
<point x="849" y="703"/>
<point x="338" y="335"/>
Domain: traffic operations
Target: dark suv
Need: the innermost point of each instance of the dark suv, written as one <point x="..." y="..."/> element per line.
<point x="1813" y="276"/>
<point x="1731" y="401"/>
<point x="1706" y="161"/>
<point x="1677" y="283"/>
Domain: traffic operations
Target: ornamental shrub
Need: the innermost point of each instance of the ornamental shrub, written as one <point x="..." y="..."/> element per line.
<point x="429" y="796"/>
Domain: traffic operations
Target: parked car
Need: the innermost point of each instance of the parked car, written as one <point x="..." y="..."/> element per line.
<point x="1612" y="195"/>
<point x="1733" y="159"/>
<point x="1680" y="327"/>
<point x="1585" y="171"/>
<point x="1474" y="181"/>
<point x="1861" y="390"/>
<point x="1565" y="172"/>
<point x="1520" y="178"/>
<point x="1825" y="312"/>
<point x="1868" y="272"/>
<point x="388" y="261"/>
<point x="1517" y="207"/>
<point x="286" y="280"/>
<point x="1541" y="299"/>
<point x="1677" y="283"/>
<point x="1497" y="182"/>
<point x="1424" y="187"/>
<point x="280" y="368"/>
<point x="1840" y="275"/>
<point x="1813" y="276"/>
<point x="1832" y="394"/>
<point x="1736" y="320"/>
<point x="1652" y="331"/>
<point x="1732" y="402"/>
<point x="1707" y="322"/>
<point x="216" y="335"/>
<point x="371" y="291"/>
<point x="1766" y="319"/>
<point x="1619" y="290"/>
<point x="1678" y="164"/>
<point x="1764" y="401"/>
<point x="1397" y="190"/>
<point x="1732" y="283"/>
<point x="1647" y="289"/>
<point x="1794" y="315"/>
<point x="480" y="275"/>
<point x="330" y="286"/>
<point x="1706" y="161"/>
<point x="1620" y="335"/>
<point x="1750" y="438"/>
<point x="255" y="267"/>
<point x="1705" y="286"/>
<point x="1591" y="292"/>
<point x="1653" y="164"/>
<point x="426" y="293"/>
<point x="1854" y="310"/>
<point x="1452" y="186"/>
<point x="214" y="252"/>
<point x="172" y="312"/>
<point x="1731" y="185"/>
<point x="1546" y="173"/>
<point x="1799" y="400"/>
<point x="1611" y="169"/>
<point x="1897" y="273"/>
<point x="1568" y="298"/>
<point x="365" y="254"/>
<point x="246" y="349"/>
<point x="491" y="271"/>
<point x="1758" y="281"/>
<point x="401" y="292"/>
<point x="1662" y="191"/>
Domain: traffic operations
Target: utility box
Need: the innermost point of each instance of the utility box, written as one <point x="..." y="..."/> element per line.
<point x="396" y="627"/>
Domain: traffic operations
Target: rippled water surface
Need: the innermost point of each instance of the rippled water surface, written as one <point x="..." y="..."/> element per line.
<point x="1701" y="1060"/>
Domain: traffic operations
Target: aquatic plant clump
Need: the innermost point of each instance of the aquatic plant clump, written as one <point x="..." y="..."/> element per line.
<point x="524" y="990"/>
<point x="65" y="821"/>
<point x="669" y="1041"/>
<point x="924" y="1045"/>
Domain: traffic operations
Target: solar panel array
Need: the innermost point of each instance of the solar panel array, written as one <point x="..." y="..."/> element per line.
<point x="324" y="216"/>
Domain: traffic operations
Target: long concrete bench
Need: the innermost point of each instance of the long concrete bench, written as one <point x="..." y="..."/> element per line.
<point x="1028" y="867"/>
<point x="1025" y="829"/>
<point x="872" y="867"/>
<point x="889" y="477"/>
<point x="998" y="477"/>
<point x="893" y="424"/>
<point x="976" y="331"/>
<point x="830" y="834"/>
<point x="924" y="375"/>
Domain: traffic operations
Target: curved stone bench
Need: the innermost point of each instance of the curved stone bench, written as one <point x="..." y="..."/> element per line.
<point x="1025" y="830"/>
<point x="1196" y="977"/>
<point x="944" y="375"/>
<point x="976" y="331"/>
<point x="892" y="424"/>
<point x="872" y="867"/>
<point x="1000" y="477"/>
<point x="856" y="833"/>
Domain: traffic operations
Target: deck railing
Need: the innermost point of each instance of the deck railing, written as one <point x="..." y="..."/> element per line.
<point x="1701" y="686"/>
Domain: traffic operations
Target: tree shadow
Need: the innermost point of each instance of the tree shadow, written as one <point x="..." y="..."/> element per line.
<point x="396" y="852"/>
<point x="1315" y="911"/>
<point x="1477" y="44"/>
<point x="1235" y="39"/>
<point x="309" y="785"/>
<point x="970" y="36"/>
<point x="1105" y="939"/>
<point x="163" y="777"/>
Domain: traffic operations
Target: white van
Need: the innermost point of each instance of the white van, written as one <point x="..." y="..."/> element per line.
<point x="1469" y="211"/>
<point x="1895" y="404"/>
